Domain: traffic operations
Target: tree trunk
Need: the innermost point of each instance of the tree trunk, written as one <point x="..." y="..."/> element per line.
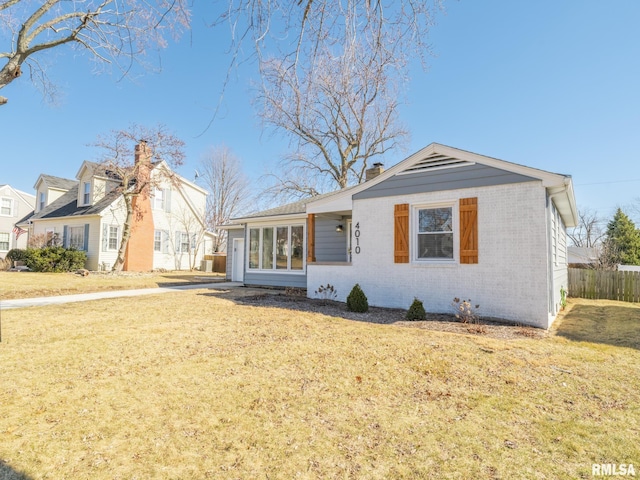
<point x="126" y="234"/>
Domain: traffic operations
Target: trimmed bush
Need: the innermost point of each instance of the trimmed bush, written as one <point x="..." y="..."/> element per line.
<point x="55" y="259"/>
<point x="357" y="300"/>
<point x="16" y="255"/>
<point x="416" y="311"/>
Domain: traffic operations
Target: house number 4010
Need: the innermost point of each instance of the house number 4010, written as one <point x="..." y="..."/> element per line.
<point x="356" y="234"/>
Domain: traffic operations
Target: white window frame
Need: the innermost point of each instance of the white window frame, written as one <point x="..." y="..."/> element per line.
<point x="42" y="201"/>
<point x="414" y="232"/>
<point x="86" y="193"/>
<point x="158" y="198"/>
<point x="110" y="230"/>
<point x="275" y="269"/>
<point x="3" y="207"/>
<point x="8" y="242"/>
<point x="157" y="241"/>
<point x="73" y="232"/>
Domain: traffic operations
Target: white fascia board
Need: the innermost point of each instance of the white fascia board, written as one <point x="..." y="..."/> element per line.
<point x="273" y="219"/>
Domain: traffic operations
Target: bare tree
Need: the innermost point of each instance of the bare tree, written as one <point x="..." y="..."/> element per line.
<point x="186" y="235"/>
<point x="332" y="74"/>
<point x="340" y="112"/>
<point x="590" y="232"/>
<point x="132" y="167"/>
<point x="116" y="32"/>
<point x="229" y="192"/>
<point x="296" y="31"/>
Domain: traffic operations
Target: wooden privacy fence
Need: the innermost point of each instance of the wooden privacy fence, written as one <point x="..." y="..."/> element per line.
<point x="604" y="284"/>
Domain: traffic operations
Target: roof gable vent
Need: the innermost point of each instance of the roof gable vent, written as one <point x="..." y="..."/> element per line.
<point x="435" y="162"/>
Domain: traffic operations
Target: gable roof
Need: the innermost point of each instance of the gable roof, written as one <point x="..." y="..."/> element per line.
<point x="436" y="157"/>
<point x="56" y="183"/>
<point x="67" y="206"/>
<point x="27" y="198"/>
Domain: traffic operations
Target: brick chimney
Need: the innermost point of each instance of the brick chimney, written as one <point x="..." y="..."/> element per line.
<point x="139" y="254"/>
<point x="374" y="171"/>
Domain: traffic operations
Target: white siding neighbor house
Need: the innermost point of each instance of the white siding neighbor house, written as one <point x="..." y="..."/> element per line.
<point x="89" y="214"/>
<point x="14" y="206"/>
<point x="443" y="223"/>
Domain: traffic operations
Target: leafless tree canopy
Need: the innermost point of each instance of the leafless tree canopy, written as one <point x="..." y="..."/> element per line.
<point x="118" y="161"/>
<point x="590" y="230"/>
<point x="341" y="112"/>
<point x="229" y="192"/>
<point x="116" y="32"/>
<point x="332" y="76"/>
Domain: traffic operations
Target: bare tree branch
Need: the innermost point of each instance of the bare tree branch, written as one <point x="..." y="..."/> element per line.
<point x="116" y="32"/>
<point x="229" y="193"/>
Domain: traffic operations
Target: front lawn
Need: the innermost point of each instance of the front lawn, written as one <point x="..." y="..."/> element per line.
<point x="199" y="384"/>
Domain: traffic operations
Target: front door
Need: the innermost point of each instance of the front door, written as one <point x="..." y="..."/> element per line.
<point x="237" y="273"/>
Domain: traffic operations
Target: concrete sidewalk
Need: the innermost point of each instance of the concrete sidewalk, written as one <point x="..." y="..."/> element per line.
<point x="83" y="297"/>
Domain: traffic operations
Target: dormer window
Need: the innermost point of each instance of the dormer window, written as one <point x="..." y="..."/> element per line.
<point x="41" y="201"/>
<point x="86" y="193"/>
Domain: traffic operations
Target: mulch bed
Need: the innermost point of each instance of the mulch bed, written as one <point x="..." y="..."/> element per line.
<point x="486" y="327"/>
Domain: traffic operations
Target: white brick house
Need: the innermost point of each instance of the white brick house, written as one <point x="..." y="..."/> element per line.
<point x="442" y="223"/>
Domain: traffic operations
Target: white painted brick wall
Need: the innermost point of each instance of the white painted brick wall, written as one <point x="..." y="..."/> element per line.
<point x="510" y="280"/>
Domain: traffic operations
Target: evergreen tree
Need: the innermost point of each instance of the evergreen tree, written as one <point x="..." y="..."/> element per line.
<point x="624" y="238"/>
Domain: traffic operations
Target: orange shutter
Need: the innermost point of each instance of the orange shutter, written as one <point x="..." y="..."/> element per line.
<point x="311" y="238"/>
<point x="401" y="233"/>
<point x="469" y="230"/>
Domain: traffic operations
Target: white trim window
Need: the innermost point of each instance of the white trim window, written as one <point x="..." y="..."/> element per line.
<point x="86" y="193"/>
<point x="158" y="198"/>
<point x="4" y="241"/>
<point x="6" y="207"/>
<point x="76" y="237"/>
<point x="161" y="241"/>
<point x="434" y="239"/>
<point x="112" y="237"/>
<point x="42" y="202"/>
<point x="278" y="248"/>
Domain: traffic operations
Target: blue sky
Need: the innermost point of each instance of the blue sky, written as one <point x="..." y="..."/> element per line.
<point x="551" y="84"/>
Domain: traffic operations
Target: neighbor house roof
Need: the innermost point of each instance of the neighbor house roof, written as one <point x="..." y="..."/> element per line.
<point x="57" y="182"/>
<point x="67" y="206"/>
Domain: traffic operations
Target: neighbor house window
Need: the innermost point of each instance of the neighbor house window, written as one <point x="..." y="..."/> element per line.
<point x="6" y="207"/>
<point x="76" y="237"/>
<point x="158" y="198"/>
<point x="113" y="238"/>
<point x="183" y="244"/>
<point x="157" y="240"/>
<point x="42" y="200"/>
<point x="276" y="248"/>
<point x="4" y="242"/>
<point x="86" y="193"/>
<point x="434" y="233"/>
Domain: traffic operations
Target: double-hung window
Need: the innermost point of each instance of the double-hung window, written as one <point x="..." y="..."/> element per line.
<point x="76" y="237"/>
<point x="278" y="248"/>
<point x="6" y="207"/>
<point x="434" y="233"/>
<point x="158" y="198"/>
<point x="86" y="193"/>
<point x="112" y="243"/>
<point x="4" y="242"/>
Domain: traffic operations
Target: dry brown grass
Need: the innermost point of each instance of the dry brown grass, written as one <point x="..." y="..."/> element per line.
<point x="196" y="385"/>
<point x="30" y="284"/>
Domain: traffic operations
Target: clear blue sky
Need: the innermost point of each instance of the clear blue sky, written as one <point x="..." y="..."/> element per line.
<point x="551" y="84"/>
